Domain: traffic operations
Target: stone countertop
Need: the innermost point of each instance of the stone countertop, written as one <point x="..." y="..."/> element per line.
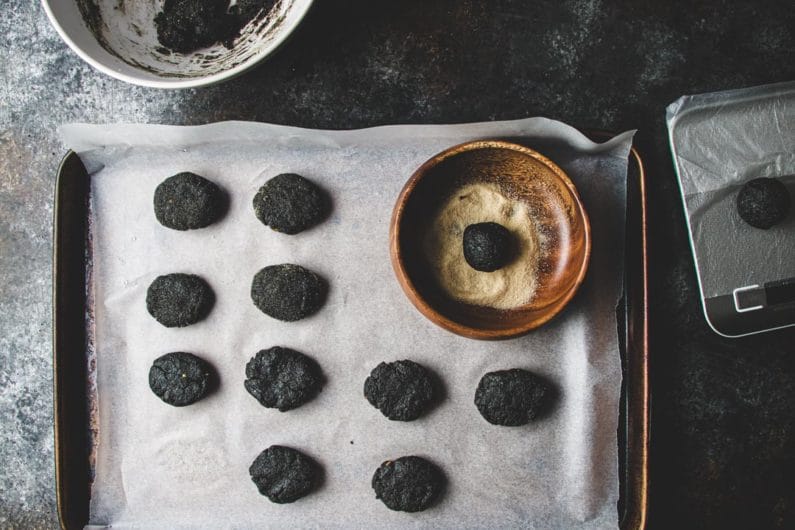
<point x="723" y="432"/>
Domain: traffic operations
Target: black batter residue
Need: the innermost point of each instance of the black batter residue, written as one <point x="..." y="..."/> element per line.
<point x="184" y="26"/>
<point x="284" y="474"/>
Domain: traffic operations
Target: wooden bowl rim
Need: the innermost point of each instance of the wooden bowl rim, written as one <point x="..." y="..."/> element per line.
<point x="416" y="298"/>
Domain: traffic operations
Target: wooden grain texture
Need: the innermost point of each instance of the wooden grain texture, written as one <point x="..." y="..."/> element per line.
<point x="522" y="174"/>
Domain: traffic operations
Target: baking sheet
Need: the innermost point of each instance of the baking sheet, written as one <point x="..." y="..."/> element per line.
<point x="164" y="467"/>
<point x="720" y="141"/>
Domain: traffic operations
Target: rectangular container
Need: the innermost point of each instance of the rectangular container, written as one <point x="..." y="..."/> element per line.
<point x="720" y="141"/>
<point x="74" y="365"/>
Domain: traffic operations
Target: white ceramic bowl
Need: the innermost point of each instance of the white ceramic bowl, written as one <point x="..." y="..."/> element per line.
<point x="122" y="42"/>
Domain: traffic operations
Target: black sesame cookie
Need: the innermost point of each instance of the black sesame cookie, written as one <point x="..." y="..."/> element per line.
<point x="763" y="202"/>
<point x="513" y="397"/>
<point x="187" y="201"/>
<point x="288" y="292"/>
<point x="289" y="203"/>
<point x="408" y="484"/>
<point x="177" y="300"/>
<point x="180" y="378"/>
<point x="401" y="390"/>
<point x="282" y="378"/>
<point x="283" y="474"/>
<point x="487" y="246"/>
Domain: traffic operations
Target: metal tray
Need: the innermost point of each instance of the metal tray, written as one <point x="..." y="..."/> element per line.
<point x="74" y="364"/>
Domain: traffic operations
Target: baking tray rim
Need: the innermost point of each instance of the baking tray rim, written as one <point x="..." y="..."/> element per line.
<point x="636" y="376"/>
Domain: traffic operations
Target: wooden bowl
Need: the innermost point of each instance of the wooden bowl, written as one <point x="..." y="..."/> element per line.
<point x="522" y="174"/>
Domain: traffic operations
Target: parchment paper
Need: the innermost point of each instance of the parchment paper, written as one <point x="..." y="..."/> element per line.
<point x="720" y="141"/>
<point x="165" y="467"/>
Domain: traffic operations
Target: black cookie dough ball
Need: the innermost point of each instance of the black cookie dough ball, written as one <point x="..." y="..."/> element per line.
<point x="288" y="292"/>
<point x="180" y="378"/>
<point x="185" y="26"/>
<point x="763" y="202"/>
<point x="512" y="397"/>
<point x="402" y="390"/>
<point x="282" y="378"/>
<point x="283" y="474"/>
<point x="487" y="246"/>
<point x="408" y="484"/>
<point x="187" y="201"/>
<point x="178" y="300"/>
<point x="290" y="203"/>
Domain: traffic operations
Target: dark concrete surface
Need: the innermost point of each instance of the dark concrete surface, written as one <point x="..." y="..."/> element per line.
<point x="723" y="438"/>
